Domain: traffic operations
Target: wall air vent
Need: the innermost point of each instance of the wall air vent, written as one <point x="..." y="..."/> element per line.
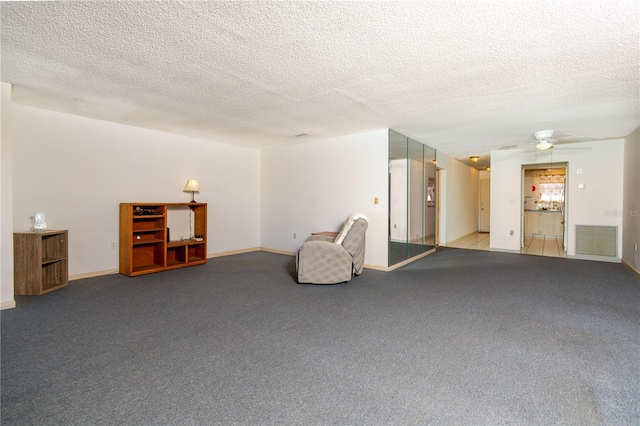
<point x="596" y="240"/>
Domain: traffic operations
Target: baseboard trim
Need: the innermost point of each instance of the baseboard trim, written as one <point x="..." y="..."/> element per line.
<point x="592" y="257"/>
<point x="376" y="267"/>
<point x="628" y="265"/>
<point x="93" y="274"/>
<point x="277" y="251"/>
<point x="9" y="304"/>
<point x="232" y="252"/>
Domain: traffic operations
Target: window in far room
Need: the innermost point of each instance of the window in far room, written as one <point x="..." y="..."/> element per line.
<point x="552" y="188"/>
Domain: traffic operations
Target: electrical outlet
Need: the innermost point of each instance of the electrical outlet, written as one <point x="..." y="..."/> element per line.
<point x="113" y="245"/>
<point x="511" y="232"/>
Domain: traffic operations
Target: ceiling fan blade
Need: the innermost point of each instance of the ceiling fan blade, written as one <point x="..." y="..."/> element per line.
<point x="573" y="139"/>
<point x="576" y="139"/>
<point x="560" y="135"/>
<point x="568" y="147"/>
<point x="517" y="144"/>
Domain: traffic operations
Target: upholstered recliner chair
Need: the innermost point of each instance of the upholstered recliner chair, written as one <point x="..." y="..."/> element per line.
<point x="333" y="257"/>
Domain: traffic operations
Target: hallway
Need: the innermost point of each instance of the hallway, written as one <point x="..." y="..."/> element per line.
<point x="538" y="246"/>
<point x="475" y="241"/>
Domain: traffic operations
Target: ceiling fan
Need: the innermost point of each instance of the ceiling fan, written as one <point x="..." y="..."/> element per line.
<point x="544" y="140"/>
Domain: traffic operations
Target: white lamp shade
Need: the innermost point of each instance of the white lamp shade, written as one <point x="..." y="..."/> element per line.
<point x="544" y="145"/>
<point x="192" y="186"/>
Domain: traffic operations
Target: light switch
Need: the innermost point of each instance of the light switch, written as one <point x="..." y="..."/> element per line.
<point x="582" y="186"/>
<point x="375" y="200"/>
<point x="579" y="171"/>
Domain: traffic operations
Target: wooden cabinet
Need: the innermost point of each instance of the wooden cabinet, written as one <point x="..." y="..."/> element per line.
<point x="40" y="261"/>
<point x="547" y="223"/>
<point x="531" y="223"/>
<point x="144" y="238"/>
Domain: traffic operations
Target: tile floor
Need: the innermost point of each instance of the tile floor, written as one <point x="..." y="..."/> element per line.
<point x="543" y="246"/>
<point x="476" y="241"/>
<point x="539" y="246"/>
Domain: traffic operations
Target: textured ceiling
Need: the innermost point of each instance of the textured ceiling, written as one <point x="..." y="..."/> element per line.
<point x="464" y="77"/>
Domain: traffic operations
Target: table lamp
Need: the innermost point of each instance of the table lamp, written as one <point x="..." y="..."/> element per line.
<point x="192" y="186"/>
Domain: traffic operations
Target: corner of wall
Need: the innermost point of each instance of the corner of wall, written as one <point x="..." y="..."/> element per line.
<point x="6" y="200"/>
<point x="631" y="201"/>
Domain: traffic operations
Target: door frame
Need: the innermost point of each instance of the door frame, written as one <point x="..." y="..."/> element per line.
<point x="558" y="165"/>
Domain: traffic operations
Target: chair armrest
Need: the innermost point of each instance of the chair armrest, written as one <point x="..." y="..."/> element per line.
<point x="327" y="233"/>
<point x="328" y="238"/>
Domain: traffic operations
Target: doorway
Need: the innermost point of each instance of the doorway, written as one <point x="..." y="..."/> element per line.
<point x="544" y="192"/>
<point x="485" y="204"/>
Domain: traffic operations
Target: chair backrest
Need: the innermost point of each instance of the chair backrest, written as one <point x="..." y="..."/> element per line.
<point x="354" y="242"/>
<point x="347" y="226"/>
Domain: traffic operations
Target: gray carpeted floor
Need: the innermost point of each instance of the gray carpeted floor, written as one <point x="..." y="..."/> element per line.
<point x="459" y="337"/>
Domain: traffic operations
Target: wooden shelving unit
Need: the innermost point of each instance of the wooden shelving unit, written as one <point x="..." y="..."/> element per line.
<point x="40" y="261"/>
<point x="144" y="246"/>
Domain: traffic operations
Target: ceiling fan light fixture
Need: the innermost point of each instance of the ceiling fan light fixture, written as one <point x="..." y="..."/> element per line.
<point x="544" y="144"/>
<point x="543" y="134"/>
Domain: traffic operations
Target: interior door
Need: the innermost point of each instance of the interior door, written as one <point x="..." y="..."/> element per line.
<point x="485" y="204"/>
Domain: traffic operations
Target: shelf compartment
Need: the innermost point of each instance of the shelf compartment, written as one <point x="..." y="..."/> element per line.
<point x="147" y="256"/>
<point x="54" y="275"/>
<point x="53" y="246"/>
<point x="145" y="269"/>
<point x="155" y="224"/>
<point x="144" y="210"/>
<point x="156" y="235"/>
<point x="196" y="252"/>
<point x="176" y="255"/>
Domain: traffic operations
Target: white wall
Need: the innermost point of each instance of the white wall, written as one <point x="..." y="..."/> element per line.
<point x="631" y="203"/>
<point x="6" y="213"/>
<point x="77" y="170"/>
<point x="601" y="165"/>
<point x="459" y="188"/>
<point x="313" y="186"/>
